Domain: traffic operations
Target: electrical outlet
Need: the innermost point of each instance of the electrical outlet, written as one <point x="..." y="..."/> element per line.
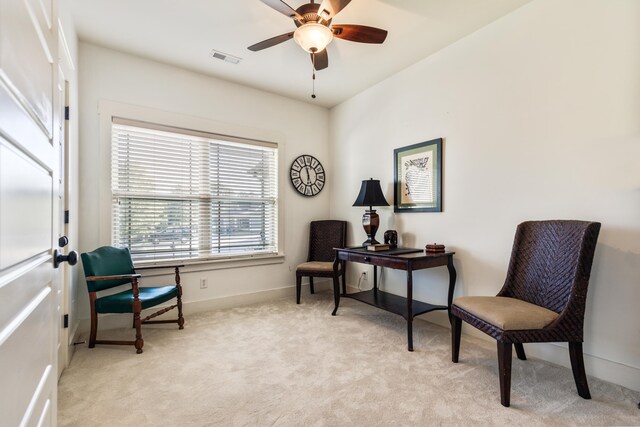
<point x="203" y="284"/>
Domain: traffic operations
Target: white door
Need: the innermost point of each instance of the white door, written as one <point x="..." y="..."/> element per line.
<point x="66" y="294"/>
<point x="66" y="297"/>
<point x="59" y="193"/>
<point x="29" y="169"/>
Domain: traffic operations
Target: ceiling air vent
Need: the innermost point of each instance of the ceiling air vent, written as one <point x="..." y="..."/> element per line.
<point x="225" y="56"/>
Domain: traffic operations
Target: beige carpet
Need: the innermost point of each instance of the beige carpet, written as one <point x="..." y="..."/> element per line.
<point x="286" y="365"/>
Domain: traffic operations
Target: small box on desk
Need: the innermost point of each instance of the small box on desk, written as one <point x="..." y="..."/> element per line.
<point x="434" y="249"/>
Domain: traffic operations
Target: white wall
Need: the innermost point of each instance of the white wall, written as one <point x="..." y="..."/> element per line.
<point x="540" y="112"/>
<point x="298" y="127"/>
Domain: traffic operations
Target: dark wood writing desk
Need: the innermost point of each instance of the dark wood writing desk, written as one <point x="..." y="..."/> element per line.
<point x="400" y="259"/>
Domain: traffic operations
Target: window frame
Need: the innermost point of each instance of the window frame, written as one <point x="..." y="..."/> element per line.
<point x="108" y="111"/>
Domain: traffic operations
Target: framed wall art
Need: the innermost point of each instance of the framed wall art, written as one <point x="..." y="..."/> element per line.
<point x="417" y="171"/>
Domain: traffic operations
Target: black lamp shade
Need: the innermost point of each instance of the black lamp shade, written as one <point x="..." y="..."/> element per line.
<point x="370" y="194"/>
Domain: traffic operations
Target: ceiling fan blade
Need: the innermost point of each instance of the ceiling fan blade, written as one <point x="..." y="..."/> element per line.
<point x="283" y="8"/>
<point x="270" y="42"/>
<point x="330" y="8"/>
<point x="321" y="60"/>
<point x="359" y="33"/>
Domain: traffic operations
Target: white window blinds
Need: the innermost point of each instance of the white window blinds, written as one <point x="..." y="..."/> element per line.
<point x="184" y="194"/>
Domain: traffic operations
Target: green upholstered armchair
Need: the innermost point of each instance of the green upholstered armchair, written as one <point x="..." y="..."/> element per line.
<point x="108" y="267"/>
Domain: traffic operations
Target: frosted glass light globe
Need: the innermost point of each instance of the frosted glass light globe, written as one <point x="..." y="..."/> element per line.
<point x="313" y="37"/>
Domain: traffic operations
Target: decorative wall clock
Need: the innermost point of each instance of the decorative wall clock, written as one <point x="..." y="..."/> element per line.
<point x="307" y="175"/>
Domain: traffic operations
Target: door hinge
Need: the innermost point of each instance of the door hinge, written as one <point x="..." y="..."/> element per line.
<point x="65" y="321"/>
<point x="66" y="112"/>
<point x="66" y="217"/>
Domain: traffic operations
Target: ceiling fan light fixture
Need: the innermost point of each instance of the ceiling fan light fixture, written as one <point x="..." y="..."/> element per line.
<point x="313" y="37"/>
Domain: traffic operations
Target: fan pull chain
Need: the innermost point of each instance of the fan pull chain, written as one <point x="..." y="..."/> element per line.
<point x="313" y="95"/>
<point x="313" y="77"/>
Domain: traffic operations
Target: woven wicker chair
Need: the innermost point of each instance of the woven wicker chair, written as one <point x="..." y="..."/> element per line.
<point x="323" y="237"/>
<point x="542" y="300"/>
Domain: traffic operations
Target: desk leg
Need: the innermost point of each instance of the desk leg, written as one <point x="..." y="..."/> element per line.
<point x="410" y="309"/>
<point x="452" y="285"/>
<point x="375" y="280"/>
<point x="336" y="286"/>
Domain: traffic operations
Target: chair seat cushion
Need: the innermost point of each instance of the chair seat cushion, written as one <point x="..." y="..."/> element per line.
<point x="508" y="314"/>
<point x="122" y="302"/>
<point x="316" y="266"/>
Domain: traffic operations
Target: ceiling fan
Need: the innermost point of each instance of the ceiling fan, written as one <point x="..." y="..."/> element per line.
<point x="315" y="30"/>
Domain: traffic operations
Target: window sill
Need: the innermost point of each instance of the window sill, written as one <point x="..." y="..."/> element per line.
<point x="215" y="263"/>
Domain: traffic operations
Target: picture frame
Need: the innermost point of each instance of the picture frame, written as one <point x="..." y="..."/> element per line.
<point x="417" y="171"/>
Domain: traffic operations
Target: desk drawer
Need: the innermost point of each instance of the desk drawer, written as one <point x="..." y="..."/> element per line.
<point x="364" y="259"/>
<point x="379" y="260"/>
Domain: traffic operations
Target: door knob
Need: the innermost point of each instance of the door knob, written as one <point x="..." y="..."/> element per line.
<point x="58" y="258"/>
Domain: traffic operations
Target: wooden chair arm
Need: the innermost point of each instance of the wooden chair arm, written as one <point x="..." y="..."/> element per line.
<point x="176" y="268"/>
<point x="118" y="277"/>
<point x="158" y="266"/>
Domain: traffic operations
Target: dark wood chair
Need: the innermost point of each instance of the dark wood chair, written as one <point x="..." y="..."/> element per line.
<point x="323" y="237"/>
<point x="542" y="300"/>
<point x="108" y="267"/>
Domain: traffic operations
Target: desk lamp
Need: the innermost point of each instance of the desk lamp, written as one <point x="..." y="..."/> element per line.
<point x="370" y="195"/>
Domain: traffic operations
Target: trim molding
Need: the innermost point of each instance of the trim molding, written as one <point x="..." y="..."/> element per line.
<point x="558" y="354"/>
<point x="115" y="321"/>
<point x="598" y="367"/>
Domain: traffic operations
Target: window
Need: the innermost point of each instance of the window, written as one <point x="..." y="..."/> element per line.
<point x="182" y="194"/>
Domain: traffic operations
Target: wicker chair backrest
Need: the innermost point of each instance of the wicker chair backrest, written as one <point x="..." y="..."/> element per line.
<point x="551" y="263"/>
<point x="323" y="237"/>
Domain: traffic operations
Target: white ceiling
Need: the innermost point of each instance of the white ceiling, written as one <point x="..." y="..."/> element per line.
<point x="183" y="33"/>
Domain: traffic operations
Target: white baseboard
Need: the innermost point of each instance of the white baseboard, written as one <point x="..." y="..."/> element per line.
<point x="601" y="368"/>
<point x="116" y="321"/>
<point x="558" y="353"/>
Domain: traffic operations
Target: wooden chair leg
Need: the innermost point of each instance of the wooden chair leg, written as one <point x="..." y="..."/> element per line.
<point x="313" y="291"/>
<point x="298" y="287"/>
<point x="179" y="304"/>
<point x="179" y="298"/>
<point x="520" y="351"/>
<point x="456" y="329"/>
<point x="94" y="320"/>
<point x="504" y="372"/>
<point x="577" y="366"/>
<point x="139" y="341"/>
<point x="94" y="328"/>
<point x="137" y="308"/>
